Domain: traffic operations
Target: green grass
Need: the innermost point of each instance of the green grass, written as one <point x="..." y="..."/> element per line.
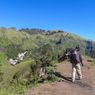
<point x="15" y="89"/>
<point x="8" y="86"/>
<point x="10" y="71"/>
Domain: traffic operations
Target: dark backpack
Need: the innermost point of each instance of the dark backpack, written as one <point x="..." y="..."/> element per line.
<point x="74" y="57"/>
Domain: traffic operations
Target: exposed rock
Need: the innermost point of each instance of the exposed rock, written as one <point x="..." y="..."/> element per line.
<point x="13" y="62"/>
<point x="21" y="56"/>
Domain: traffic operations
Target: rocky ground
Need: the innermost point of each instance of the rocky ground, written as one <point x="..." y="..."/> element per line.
<point x="86" y="86"/>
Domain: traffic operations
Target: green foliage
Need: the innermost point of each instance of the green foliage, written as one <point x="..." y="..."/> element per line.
<point x="3" y="59"/>
<point x="14" y="89"/>
<point x="15" y="74"/>
<point x="44" y="59"/>
<point x="51" y="73"/>
<point x="43" y="54"/>
<point x="13" y="50"/>
<point x="35" y="69"/>
<point x="16" y="79"/>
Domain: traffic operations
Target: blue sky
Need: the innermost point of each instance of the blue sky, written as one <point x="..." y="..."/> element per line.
<point x="76" y="16"/>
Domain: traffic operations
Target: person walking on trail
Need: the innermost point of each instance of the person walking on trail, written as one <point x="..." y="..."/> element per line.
<point x="76" y="60"/>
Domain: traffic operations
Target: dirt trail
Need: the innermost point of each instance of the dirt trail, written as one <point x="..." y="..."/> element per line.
<point x="86" y="86"/>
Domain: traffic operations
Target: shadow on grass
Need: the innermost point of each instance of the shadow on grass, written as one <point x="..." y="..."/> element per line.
<point x="60" y="76"/>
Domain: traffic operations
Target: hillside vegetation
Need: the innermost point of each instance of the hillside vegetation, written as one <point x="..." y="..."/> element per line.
<point x="44" y="48"/>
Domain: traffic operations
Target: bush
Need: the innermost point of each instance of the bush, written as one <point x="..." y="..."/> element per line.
<point x="51" y="70"/>
<point x="13" y="50"/>
<point x="3" y="59"/>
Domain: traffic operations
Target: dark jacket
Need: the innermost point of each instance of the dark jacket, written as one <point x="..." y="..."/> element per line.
<point x="75" y="57"/>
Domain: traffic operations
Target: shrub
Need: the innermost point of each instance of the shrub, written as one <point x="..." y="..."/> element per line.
<point x="51" y="70"/>
<point x="13" y="50"/>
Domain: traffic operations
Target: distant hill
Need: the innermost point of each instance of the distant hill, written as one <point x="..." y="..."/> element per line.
<point x="31" y="38"/>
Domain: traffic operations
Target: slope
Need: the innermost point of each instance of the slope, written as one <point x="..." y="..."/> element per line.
<point x="86" y="86"/>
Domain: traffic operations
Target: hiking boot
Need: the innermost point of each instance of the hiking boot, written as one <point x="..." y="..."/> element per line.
<point x="80" y="78"/>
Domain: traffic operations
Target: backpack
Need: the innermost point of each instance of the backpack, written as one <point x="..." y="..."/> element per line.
<point x="74" y="57"/>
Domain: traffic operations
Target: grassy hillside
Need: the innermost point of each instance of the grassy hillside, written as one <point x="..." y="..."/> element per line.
<point x="43" y="48"/>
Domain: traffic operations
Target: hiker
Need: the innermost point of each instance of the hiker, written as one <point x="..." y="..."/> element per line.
<point x="76" y="60"/>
